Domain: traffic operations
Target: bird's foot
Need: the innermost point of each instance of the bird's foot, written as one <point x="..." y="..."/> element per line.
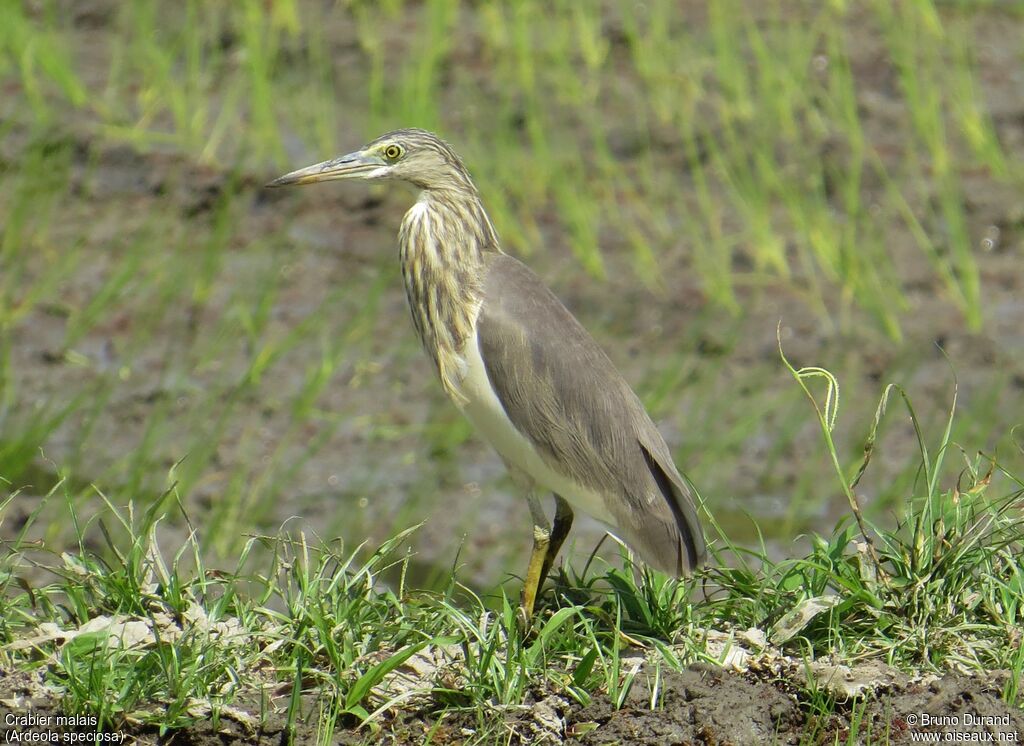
<point x="524" y="620"/>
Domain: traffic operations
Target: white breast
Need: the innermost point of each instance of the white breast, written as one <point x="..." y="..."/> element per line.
<point x="483" y="409"/>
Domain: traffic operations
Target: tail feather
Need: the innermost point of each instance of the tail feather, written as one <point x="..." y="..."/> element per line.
<point x="689" y="537"/>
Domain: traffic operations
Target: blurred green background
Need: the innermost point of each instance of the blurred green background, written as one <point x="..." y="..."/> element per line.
<point x="687" y="176"/>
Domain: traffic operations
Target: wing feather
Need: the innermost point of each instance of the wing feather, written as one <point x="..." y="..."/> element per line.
<point x="565" y="396"/>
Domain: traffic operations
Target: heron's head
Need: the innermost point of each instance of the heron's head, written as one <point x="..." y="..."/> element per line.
<point x="416" y="156"/>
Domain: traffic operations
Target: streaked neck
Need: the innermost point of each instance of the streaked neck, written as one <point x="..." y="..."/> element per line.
<point x="443" y="242"/>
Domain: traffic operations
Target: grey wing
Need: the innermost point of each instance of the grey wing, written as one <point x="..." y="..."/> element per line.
<point x="565" y="396"/>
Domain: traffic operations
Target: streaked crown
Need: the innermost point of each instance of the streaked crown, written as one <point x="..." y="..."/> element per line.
<point x="421" y="158"/>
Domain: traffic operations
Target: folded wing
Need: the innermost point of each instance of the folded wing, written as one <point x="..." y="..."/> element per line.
<point x="565" y="396"/>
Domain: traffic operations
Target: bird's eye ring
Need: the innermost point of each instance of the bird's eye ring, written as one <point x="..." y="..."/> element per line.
<point x="392" y="152"/>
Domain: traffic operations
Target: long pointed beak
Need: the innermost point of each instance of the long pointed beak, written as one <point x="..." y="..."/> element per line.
<point x="351" y="166"/>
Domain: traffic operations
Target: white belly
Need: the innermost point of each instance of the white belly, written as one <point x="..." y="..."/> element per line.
<point x="485" y="412"/>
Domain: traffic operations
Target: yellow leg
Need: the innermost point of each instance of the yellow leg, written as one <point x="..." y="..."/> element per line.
<point x="535" y="572"/>
<point x="546" y="543"/>
<point x="563" y="522"/>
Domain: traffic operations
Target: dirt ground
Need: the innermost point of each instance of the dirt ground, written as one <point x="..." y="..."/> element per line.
<point x="703" y="705"/>
<point x="700" y="705"/>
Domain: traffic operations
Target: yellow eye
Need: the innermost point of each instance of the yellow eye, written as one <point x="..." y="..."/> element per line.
<point x="392" y="152"/>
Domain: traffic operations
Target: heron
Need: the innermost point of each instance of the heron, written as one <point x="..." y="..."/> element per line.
<point x="522" y="369"/>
